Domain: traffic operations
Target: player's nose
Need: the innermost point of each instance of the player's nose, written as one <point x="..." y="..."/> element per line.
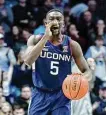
<point x="55" y="22"/>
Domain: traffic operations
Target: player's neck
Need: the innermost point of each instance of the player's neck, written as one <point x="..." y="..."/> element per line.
<point x="56" y="39"/>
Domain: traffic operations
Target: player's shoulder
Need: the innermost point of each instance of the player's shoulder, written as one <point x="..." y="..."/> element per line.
<point x="66" y="36"/>
<point x="74" y="43"/>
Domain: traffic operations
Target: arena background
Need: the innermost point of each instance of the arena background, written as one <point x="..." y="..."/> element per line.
<point x="84" y="22"/>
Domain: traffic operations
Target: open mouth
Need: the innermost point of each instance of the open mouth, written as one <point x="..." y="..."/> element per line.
<point x="54" y="27"/>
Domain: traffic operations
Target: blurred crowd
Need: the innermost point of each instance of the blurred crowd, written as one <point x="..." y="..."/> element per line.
<point x="19" y="19"/>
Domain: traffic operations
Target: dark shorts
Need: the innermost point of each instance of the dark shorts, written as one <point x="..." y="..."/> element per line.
<point x="49" y="103"/>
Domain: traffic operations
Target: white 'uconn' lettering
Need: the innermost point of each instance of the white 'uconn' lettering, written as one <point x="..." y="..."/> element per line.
<point x="49" y="55"/>
<point x="67" y="58"/>
<point x="55" y="56"/>
<point x="43" y="54"/>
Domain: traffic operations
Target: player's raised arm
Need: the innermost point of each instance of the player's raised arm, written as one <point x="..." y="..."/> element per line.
<point x="35" y="46"/>
<point x="80" y="60"/>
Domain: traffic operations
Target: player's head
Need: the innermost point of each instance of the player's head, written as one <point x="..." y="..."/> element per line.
<point x="55" y="16"/>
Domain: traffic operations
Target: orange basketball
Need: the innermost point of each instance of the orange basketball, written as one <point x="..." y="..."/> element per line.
<point x="75" y="86"/>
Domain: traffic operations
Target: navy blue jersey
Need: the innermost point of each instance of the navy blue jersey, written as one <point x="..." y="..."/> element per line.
<point x="53" y="65"/>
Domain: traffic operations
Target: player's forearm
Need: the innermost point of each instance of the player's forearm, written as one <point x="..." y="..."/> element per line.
<point x="34" y="53"/>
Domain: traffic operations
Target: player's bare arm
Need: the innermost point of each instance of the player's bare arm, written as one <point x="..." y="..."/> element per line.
<point x="80" y="60"/>
<point x="35" y="45"/>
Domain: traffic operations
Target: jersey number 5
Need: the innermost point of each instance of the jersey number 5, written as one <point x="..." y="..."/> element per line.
<point x="54" y="68"/>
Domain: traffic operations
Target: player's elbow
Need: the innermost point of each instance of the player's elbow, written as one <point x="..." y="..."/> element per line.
<point x="27" y="62"/>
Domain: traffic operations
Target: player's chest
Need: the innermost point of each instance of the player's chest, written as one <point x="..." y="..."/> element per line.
<point x="60" y="52"/>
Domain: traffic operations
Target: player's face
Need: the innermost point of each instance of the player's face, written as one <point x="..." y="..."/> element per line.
<point x="58" y="21"/>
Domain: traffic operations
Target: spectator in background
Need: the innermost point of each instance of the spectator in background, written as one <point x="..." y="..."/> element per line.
<point x="22" y="73"/>
<point x="99" y="106"/>
<point x="58" y="4"/>
<point x="2" y="30"/>
<point x="18" y="41"/>
<point x="39" y="11"/>
<point x="98" y="53"/>
<point x="40" y="29"/>
<point x="100" y="30"/>
<point x="2" y="98"/>
<point x="6" y="109"/>
<point x="1" y="92"/>
<point x="101" y="8"/>
<point x="100" y="27"/>
<point x="66" y="16"/>
<point x="18" y="110"/>
<point x="92" y="5"/>
<point x="7" y="57"/>
<point x="85" y="102"/>
<point x="86" y="28"/>
<point x="48" y="4"/>
<point x="19" y="37"/>
<point x="82" y="106"/>
<point x="7" y="61"/>
<point x="22" y="14"/>
<point x="77" y="10"/>
<point x="6" y="16"/>
<point x="7" y="37"/>
<point x="74" y="34"/>
<point x="24" y="99"/>
<point x="26" y="34"/>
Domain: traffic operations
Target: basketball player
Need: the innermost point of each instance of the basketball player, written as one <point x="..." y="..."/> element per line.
<point x="52" y="53"/>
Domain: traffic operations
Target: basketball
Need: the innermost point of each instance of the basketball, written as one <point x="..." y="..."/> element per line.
<point x="75" y="86"/>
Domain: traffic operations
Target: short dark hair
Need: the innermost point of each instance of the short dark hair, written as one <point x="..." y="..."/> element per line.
<point x="54" y="10"/>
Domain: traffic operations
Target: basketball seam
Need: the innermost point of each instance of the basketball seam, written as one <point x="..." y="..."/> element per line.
<point x="78" y="89"/>
<point x="69" y="88"/>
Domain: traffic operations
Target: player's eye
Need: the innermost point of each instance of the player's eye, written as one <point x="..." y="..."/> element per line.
<point x="58" y="18"/>
<point x="51" y="18"/>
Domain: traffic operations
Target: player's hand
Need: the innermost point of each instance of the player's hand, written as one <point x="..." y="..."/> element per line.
<point x="48" y="32"/>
